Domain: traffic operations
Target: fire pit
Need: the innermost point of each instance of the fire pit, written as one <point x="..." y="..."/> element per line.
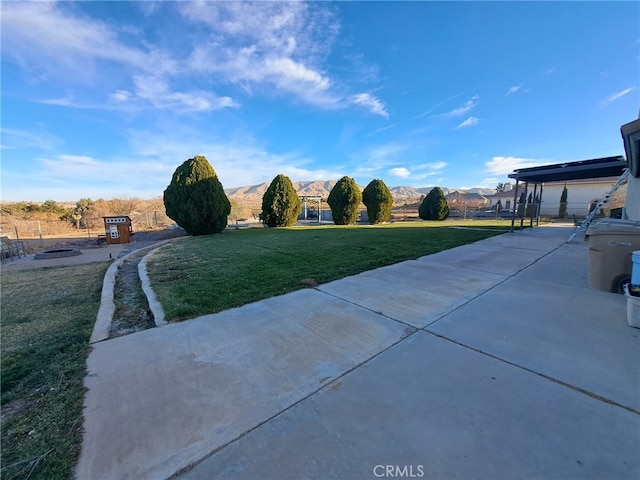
<point x="58" y="253"/>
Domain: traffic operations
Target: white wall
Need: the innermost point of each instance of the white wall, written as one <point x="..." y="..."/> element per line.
<point x="579" y="196"/>
<point x="632" y="204"/>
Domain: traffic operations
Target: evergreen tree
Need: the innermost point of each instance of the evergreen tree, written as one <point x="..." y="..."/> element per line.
<point x="195" y="199"/>
<point x="562" y="211"/>
<point x="434" y="206"/>
<point x="378" y="200"/>
<point x="521" y="205"/>
<point x="344" y="199"/>
<point x="281" y="205"/>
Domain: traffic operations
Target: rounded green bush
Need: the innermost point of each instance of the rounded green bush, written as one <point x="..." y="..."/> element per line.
<point x="195" y="199"/>
<point x="344" y="199"/>
<point x="434" y="206"/>
<point x="378" y="200"/>
<point x="281" y="205"/>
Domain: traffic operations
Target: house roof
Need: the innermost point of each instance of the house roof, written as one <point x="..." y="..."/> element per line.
<point x="583" y="169"/>
<point x="505" y="194"/>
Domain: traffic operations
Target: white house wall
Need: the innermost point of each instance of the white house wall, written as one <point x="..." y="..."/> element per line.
<point x="579" y="197"/>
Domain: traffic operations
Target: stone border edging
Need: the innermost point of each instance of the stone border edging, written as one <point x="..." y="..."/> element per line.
<point x="107" y="306"/>
<point x="152" y="300"/>
<point x="102" y="327"/>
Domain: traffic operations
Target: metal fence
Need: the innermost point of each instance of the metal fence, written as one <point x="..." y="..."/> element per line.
<point x="92" y="226"/>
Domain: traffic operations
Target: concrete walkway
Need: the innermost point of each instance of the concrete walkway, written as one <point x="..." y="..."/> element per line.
<point x="493" y="360"/>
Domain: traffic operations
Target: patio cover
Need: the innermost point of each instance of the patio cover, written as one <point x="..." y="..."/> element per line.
<point x="559" y="172"/>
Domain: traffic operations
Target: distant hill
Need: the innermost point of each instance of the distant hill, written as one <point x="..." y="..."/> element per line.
<point x="252" y="195"/>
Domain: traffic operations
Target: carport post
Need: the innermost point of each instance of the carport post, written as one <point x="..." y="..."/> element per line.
<point x="515" y="205"/>
<point x="539" y="205"/>
<point x="533" y="206"/>
<point x="524" y="204"/>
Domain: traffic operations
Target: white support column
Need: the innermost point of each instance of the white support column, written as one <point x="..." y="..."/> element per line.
<point x="632" y="202"/>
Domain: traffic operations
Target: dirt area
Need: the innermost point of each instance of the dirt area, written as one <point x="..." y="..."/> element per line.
<point x="132" y="313"/>
<point x="84" y="242"/>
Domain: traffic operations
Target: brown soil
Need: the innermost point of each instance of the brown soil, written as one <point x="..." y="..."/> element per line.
<point x="132" y="312"/>
<point x="82" y="241"/>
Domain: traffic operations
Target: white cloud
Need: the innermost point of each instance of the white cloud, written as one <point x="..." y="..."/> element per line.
<point x="491" y="182"/>
<point x="120" y="96"/>
<point x="383" y="154"/>
<point x="394" y="158"/>
<point x="91" y="177"/>
<point x="370" y="102"/>
<point x="77" y="160"/>
<point x="287" y="71"/>
<point x="400" y="172"/>
<point x="151" y="91"/>
<point x="506" y="165"/>
<point x="419" y="172"/>
<point x="432" y="166"/>
<point x="22" y="139"/>
<point x="267" y="44"/>
<point x="615" y="96"/>
<point x="261" y="45"/>
<point x="427" y="170"/>
<point x="87" y="170"/>
<point x="377" y="159"/>
<point x="469" y="122"/>
<point x="67" y="101"/>
<point x="238" y="162"/>
<point x="381" y="129"/>
<point x="463" y="109"/>
<point x="45" y="39"/>
<point x="156" y="91"/>
<point x="270" y="48"/>
<point x="514" y="89"/>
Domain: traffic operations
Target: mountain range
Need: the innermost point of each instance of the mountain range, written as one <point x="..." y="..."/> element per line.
<point x="321" y="188"/>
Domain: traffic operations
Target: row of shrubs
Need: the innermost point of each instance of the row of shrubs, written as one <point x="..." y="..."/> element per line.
<point x="196" y="201"/>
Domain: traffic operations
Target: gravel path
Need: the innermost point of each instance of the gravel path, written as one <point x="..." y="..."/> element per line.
<point x="132" y="313"/>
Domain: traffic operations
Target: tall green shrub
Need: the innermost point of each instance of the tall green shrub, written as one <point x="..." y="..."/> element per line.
<point x="281" y="205"/>
<point x="434" y="206"/>
<point x="562" y="211"/>
<point x="521" y="205"/>
<point x="378" y="200"/>
<point x="195" y="199"/>
<point x="344" y="199"/>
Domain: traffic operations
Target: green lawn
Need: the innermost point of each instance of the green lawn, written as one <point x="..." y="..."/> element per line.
<point x="47" y="319"/>
<point x="207" y="274"/>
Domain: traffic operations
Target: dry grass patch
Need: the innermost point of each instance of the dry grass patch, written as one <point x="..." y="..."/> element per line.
<point x="47" y="319"/>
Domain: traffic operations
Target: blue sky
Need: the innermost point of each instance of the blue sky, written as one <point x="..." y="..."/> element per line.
<point x="106" y="99"/>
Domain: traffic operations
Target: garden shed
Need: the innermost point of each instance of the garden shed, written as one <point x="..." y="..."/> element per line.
<point x="118" y="229"/>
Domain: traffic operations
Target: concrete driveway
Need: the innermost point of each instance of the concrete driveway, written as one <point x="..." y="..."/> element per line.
<point x="493" y="360"/>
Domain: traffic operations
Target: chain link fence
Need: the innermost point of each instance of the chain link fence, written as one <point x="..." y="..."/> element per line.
<point x="91" y="226"/>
